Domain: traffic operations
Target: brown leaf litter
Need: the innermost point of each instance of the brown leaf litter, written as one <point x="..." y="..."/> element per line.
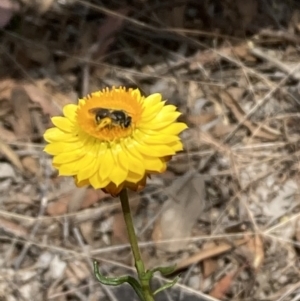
<point x="185" y="205"/>
<point x="232" y="69"/>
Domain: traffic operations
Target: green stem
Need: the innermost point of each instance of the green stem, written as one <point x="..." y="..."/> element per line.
<point x="139" y="264"/>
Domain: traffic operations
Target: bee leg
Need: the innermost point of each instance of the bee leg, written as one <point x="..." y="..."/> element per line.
<point x="103" y="123"/>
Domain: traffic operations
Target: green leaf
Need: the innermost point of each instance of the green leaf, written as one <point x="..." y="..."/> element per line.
<point x="115" y="281"/>
<point x="167" y="285"/>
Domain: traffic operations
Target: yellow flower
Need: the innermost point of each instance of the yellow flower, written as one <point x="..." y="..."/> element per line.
<point x="114" y="139"/>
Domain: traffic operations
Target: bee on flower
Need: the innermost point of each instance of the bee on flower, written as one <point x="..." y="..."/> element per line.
<point x="114" y="139"/>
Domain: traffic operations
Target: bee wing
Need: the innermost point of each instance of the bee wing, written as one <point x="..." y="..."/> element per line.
<point x="94" y="110"/>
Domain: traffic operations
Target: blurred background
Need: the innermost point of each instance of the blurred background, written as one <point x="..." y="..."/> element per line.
<point x="227" y="211"/>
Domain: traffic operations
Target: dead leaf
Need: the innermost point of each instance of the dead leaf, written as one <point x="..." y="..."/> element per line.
<point x="253" y="250"/>
<point x="120" y="235"/>
<point x="76" y="199"/>
<point x="23" y="198"/>
<point x="6" y="135"/>
<point x="210" y="265"/>
<point x="37" y="122"/>
<point x="208" y="253"/>
<point x="13" y="228"/>
<point x="184" y="207"/>
<point x="22" y="122"/>
<point x="38" y="94"/>
<point x="58" y="207"/>
<point x="211" y="57"/>
<point x="87" y="231"/>
<point x="61" y="206"/>
<point x="221" y="130"/>
<point x="281" y="35"/>
<point x="62" y="99"/>
<point x="31" y="164"/>
<point x="93" y="196"/>
<point x="9" y="153"/>
<point x="6" y="86"/>
<point x="223" y="286"/>
<point x="5" y="108"/>
<point x="202" y="118"/>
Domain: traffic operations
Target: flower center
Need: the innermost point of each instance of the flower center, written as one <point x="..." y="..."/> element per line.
<point x="110" y="115"/>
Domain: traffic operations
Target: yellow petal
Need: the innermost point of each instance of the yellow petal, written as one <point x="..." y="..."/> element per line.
<point x="55" y="135"/>
<point x="81" y="102"/>
<point x="89" y="168"/>
<point x="119" y="170"/>
<point x="88" y="171"/>
<point x="176" y="146"/>
<point x="68" y="169"/>
<point x="150" y="112"/>
<point x="155" y="150"/>
<point x="130" y="145"/>
<point x="120" y="154"/>
<point x="136" y="165"/>
<point x="163" y="117"/>
<point x="61" y="147"/>
<point x="152" y="100"/>
<point x="174" y="128"/>
<point x="170" y="108"/>
<point x="82" y="183"/>
<point x="70" y="111"/>
<point x="97" y="182"/>
<point x="68" y="156"/>
<point x="155" y="125"/>
<point x="133" y="177"/>
<point x="118" y="175"/>
<point x="90" y="163"/>
<point x="135" y="159"/>
<point x="155" y="139"/>
<point x="159" y="113"/>
<point x="155" y="164"/>
<point x="63" y="123"/>
<point x="107" y="164"/>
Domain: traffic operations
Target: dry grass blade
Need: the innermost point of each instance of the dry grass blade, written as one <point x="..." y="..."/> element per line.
<point x="260" y="131"/>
